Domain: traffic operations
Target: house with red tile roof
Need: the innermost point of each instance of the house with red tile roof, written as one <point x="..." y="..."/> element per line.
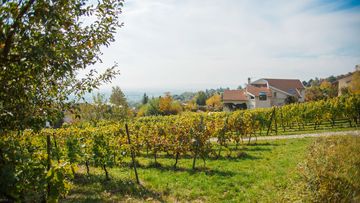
<point x="263" y="93"/>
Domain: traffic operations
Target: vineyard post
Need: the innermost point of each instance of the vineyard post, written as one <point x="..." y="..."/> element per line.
<point x="195" y="146"/>
<point x="276" y="127"/>
<point x="56" y="148"/>
<point x="132" y="154"/>
<point x="48" y="166"/>
<point x="282" y="119"/>
<point x="271" y="118"/>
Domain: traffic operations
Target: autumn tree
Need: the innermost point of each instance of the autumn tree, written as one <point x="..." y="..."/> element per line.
<point x="168" y="106"/>
<point x="43" y="46"/>
<point x="165" y="104"/>
<point x="313" y="93"/>
<point x="328" y="89"/>
<point x="191" y="106"/>
<point x="214" y="102"/>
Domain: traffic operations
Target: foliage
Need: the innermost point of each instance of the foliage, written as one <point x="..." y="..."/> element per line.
<point x="314" y="93"/>
<point x="43" y="46"/>
<point x="160" y="106"/>
<point x="201" y="98"/>
<point x="318" y="89"/>
<point x="96" y="111"/>
<point x="331" y="170"/>
<point x="328" y="89"/>
<point x="117" y="97"/>
<point x="145" y="99"/>
<point x="58" y="178"/>
<point x="191" y="106"/>
<point x="185" y="96"/>
<point x="153" y="107"/>
<point x="214" y="102"/>
<point x="24" y="158"/>
<point x="290" y="100"/>
<point x="120" y="107"/>
<point x="165" y="104"/>
<point x="23" y="169"/>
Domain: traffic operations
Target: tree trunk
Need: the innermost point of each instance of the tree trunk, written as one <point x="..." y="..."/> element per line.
<point x="219" y="153"/>
<point x="106" y="172"/>
<point x="176" y="159"/>
<point x="87" y="167"/>
<point x="57" y="154"/>
<point x="203" y="158"/>
<point x="72" y="169"/>
<point x="249" y="138"/>
<point x="155" y="158"/>
<point x="194" y="161"/>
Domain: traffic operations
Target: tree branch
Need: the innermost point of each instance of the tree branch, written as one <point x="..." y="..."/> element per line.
<point x="10" y="35"/>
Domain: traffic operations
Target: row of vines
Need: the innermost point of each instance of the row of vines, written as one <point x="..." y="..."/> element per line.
<point x="39" y="166"/>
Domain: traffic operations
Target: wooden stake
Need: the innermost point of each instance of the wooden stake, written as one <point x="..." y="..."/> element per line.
<point x="271" y="118"/>
<point x="132" y="154"/>
<point x="48" y="167"/>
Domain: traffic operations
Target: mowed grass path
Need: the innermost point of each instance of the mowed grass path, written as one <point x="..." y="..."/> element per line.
<point x="261" y="174"/>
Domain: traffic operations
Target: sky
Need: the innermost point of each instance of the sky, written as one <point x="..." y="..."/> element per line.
<point x="189" y="45"/>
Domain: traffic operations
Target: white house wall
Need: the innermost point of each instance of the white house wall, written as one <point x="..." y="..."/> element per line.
<point x="262" y="104"/>
<point x="279" y="100"/>
<point x="302" y="93"/>
<point x="251" y="104"/>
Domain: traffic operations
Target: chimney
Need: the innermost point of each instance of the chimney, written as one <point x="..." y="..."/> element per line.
<point x="249" y="81"/>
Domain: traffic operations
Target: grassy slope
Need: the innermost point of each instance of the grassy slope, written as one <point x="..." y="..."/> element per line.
<point x="261" y="175"/>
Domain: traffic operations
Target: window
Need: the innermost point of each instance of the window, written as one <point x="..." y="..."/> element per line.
<point x="251" y="97"/>
<point x="274" y="94"/>
<point x="262" y="96"/>
<point x="292" y="91"/>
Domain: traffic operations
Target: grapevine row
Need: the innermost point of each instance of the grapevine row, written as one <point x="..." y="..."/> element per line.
<point x="46" y="161"/>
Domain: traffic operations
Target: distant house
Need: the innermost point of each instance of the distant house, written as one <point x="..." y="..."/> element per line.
<point x="264" y="93"/>
<point x="344" y="81"/>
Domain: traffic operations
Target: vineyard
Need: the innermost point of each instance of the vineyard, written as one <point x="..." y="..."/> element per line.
<point x="41" y="165"/>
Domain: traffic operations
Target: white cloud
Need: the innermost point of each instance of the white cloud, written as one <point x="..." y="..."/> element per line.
<point x="193" y="44"/>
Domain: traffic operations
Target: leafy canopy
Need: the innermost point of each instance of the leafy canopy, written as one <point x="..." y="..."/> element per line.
<point x="43" y="46"/>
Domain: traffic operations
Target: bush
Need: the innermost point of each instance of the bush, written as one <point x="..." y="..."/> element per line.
<point x="331" y="171"/>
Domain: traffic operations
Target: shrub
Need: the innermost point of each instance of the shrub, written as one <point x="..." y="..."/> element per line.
<point x="331" y="171"/>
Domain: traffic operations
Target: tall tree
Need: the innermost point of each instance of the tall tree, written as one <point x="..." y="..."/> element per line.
<point x="43" y="46"/>
<point x="118" y="98"/>
<point x="120" y="106"/>
<point x="145" y="99"/>
<point x="214" y="102"/>
<point x="201" y="98"/>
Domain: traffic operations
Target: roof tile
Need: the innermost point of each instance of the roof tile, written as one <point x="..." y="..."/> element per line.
<point x="234" y="95"/>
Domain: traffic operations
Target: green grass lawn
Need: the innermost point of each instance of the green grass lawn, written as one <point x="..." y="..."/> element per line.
<point x="265" y="172"/>
<point x="261" y="173"/>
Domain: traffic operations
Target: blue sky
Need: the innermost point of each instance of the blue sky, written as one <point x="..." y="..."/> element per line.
<point x="169" y="45"/>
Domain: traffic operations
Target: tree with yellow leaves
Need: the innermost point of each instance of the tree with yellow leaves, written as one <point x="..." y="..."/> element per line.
<point x="168" y="106"/>
<point x="214" y="102"/>
<point x="329" y="90"/>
